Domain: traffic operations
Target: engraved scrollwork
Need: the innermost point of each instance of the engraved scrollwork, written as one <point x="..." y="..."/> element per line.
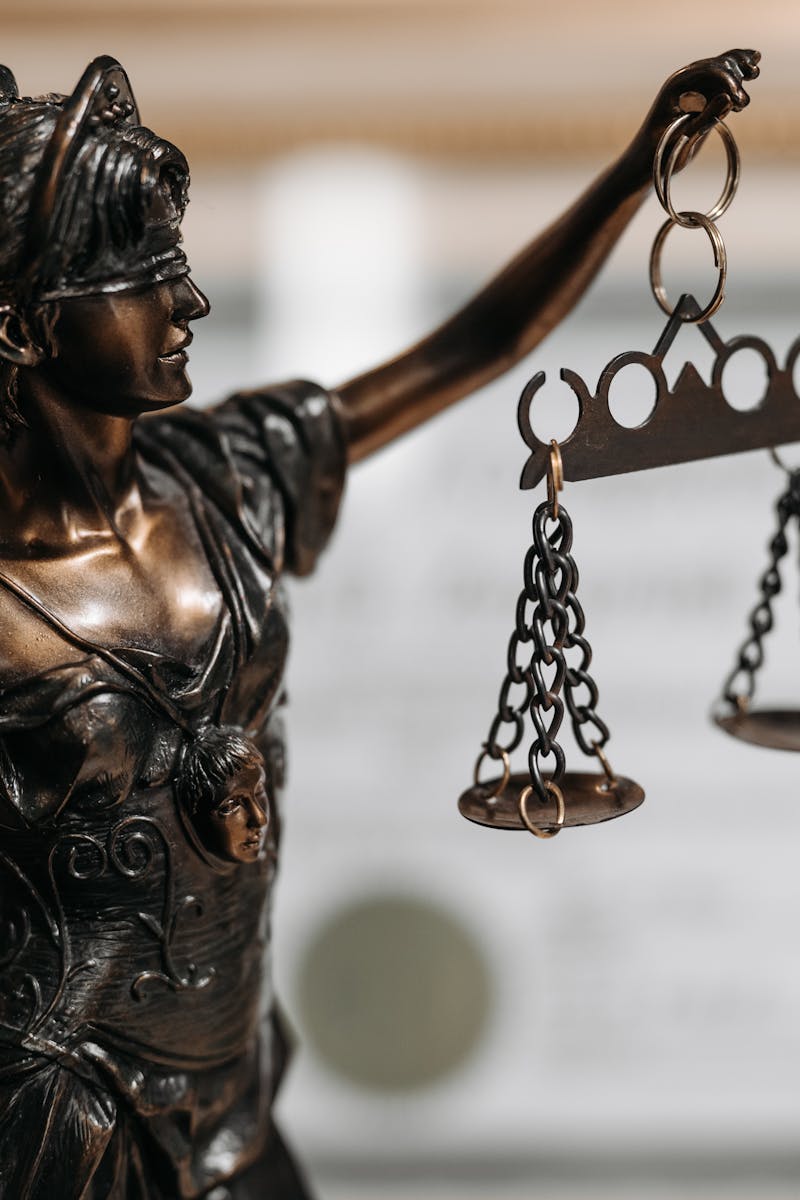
<point x="27" y="928"/>
<point x="86" y="857"/>
<point x="133" y="847"/>
<point x="134" y="844"/>
<point x="20" y="990"/>
<point x="29" y="992"/>
<point x="177" y="980"/>
<point x="15" y="932"/>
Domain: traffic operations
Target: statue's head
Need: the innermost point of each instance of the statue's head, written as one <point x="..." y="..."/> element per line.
<point x="91" y="203"/>
<point x="222" y="790"/>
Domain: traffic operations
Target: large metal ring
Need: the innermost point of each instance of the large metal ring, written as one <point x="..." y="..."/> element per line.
<point x="561" y="811"/>
<point x="666" y="158"/>
<point x="699" y="221"/>
<point x="500" y="787"/>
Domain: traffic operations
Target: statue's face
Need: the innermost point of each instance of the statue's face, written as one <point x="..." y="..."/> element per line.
<point x="123" y="353"/>
<point x="237" y="824"/>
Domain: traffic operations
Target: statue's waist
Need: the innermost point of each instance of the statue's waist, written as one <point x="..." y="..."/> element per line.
<point x="149" y="945"/>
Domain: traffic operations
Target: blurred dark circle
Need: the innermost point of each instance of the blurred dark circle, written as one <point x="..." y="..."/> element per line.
<point x="394" y="993"/>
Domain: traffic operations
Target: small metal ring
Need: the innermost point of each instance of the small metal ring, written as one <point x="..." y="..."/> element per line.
<point x="606" y="765"/>
<point x="561" y="811"/>
<point x="700" y="221"/>
<point x="662" y="173"/>
<point x="501" y="787"/>
<point x="555" y="477"/>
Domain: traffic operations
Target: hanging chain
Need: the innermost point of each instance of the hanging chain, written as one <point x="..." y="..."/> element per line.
<point x="548" y="573"/>
<point x="549" y="624"/>
<point x="582" y="710"/>
<point x="740" y="686"/>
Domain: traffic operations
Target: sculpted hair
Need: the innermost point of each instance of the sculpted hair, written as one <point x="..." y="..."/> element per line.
<point x="209" y="761"/>
<point x="102" y="214"/>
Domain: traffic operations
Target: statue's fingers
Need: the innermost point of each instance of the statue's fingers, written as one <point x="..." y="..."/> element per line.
<point x="746" y="62"/>
<point x="733" y="93"/>
<point x="699" y="127"/>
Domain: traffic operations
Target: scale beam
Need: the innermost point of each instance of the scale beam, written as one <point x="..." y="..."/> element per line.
<point x="690" y="421"/>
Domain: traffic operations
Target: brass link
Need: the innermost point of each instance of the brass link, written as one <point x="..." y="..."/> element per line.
<point x="546" y="831"/>
<point x="503" y="781"/>
<point x="555" y="477"/>
<point x="604" y="763"/>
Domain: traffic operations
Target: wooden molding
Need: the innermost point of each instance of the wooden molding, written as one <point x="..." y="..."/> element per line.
<point x="493" y="79"/>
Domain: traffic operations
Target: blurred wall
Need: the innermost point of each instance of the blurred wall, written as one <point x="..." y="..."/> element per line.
<point x="241" y="80"/>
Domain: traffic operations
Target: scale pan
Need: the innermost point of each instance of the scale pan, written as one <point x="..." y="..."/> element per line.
<point x="588" y="798"/>
<point x="775" y="728"/>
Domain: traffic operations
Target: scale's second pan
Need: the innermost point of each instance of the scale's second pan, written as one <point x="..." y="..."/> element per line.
<point x="588" y="800"/>
<point x="774" y="728"/>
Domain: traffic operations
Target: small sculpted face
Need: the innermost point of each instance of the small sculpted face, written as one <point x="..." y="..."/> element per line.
<point x="236" y="826"/>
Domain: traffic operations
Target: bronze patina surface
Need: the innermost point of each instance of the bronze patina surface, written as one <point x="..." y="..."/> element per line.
<point x="691" y="420"/>
<point x="145" y="636"/>
<point x="773" y="728"/>
<point x="589" y="799"/>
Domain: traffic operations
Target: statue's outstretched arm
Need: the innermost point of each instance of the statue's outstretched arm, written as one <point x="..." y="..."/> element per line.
<point x="521" y="305"/>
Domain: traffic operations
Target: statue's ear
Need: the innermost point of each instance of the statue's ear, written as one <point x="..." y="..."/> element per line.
<point x="17" y="344"/>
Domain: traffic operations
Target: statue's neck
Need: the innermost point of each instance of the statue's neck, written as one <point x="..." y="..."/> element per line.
<point x="68" y="476"/>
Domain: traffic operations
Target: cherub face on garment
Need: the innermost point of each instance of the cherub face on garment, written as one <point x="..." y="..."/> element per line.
<point x="223" y="793"/>
<point x="235" y="826"/>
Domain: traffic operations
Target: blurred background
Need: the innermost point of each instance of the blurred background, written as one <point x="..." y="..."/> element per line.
<point x="614" y="1013"/>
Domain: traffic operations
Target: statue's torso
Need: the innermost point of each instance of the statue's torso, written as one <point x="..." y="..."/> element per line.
<point x="133" y="956"/>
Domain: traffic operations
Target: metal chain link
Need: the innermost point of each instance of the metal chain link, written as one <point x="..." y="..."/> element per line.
<point x="552" y="582"/>
<point x="583" y="715"/>
<point x="740" y="686"/>
<point x="549" y="624"/>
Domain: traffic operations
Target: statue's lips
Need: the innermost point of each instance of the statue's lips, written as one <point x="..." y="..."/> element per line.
<point x="178" y="355"/>
<point x="179" y="358"/>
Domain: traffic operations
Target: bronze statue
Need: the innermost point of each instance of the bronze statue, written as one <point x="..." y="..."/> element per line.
<point x="144" y="638"/>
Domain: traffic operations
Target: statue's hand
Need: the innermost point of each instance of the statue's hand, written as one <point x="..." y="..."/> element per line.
<point x="710" y="89"/>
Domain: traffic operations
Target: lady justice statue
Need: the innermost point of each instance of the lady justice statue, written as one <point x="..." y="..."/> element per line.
<point x="145" y="633"/>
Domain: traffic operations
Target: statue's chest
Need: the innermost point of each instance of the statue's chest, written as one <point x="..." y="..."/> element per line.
<point x="161" y="597"/>
<point x="100" y="651"/>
